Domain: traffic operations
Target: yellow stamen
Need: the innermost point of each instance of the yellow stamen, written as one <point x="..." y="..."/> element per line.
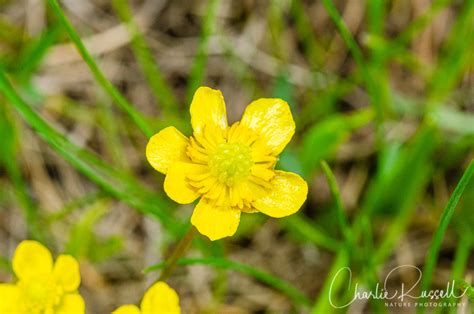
<point x="231" y="163"/>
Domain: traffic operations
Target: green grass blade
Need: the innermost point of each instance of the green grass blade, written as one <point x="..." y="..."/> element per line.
<point x="200" y="60"/>
<point x="457" y="58"/>
<point x="76" y="203"/>
<point x="119" y="185"/>
<point x="340" y="210"/>
<point x="160" y="89"/>
<point x="32" y="56"/>
<point x="345" y="33"/>
<point x="416" y="27"/>
<point x="298" y="224"/>
<point x="313" y="50"/>
<point x="448" y="212"/>
<point x="461" y="260"/>
<point x="279" y="284"/>
<point x="322" y="304"/>
<point x="323" y="138"/>
<point x="373" y="73"/>
<point x="108" y="87"/>
<point x="9" y="142"/>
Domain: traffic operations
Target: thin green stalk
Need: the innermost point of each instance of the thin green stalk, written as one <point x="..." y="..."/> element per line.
<point x="32" y="56"/>
<point x="178" y="252"/>
<point x="110" y="126"/>
<point x="373" y="88"/>
<point x="462" y="255"/>
<point x="460" y="260"/>
<point x="345" y="33"/>
<point x="402" y="219"/>
<point x="279" y="284"/>
<point x="145" y="58"/>
<point x="200" y="60"/>
<point x="312" y="49"/>
<point x="108" y="87"/>
<point x="114" y="182"/>
<point x="73" y="205"/>
<point x="5" y="264"/>
<point x="419" y="24"/>
<point x="340" y="210"/>
<point x="9" y="157"/>
<point x="456" y="60"/>
<point x="298" y="224"/>
<point x="448" y="212"/>
<point x="331" y="285"/>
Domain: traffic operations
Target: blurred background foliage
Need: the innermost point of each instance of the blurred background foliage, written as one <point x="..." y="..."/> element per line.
<point x="381" y="90"/>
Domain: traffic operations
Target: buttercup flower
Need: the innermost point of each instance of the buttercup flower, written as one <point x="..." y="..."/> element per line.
<point x="159" y="299"/>
<point x="42" y="287"/>
<point x="232" y="168"/>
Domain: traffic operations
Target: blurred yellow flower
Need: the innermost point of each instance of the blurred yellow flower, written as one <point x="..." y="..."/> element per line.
<point x="231" y="167"/>
<point x="159" y="299"/>
<point x="42" y="287"/>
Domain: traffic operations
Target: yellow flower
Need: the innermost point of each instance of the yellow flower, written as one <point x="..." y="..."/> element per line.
<point x="232" y="168"/>
<point x="42" y="287"/>
<point x="159" y="299"/>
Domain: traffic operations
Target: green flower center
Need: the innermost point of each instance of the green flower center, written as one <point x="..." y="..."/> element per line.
<point x="231" y="162"/>
<point x="40" y="295"/>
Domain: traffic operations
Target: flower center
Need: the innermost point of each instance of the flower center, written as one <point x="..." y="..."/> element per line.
<point x="42" y="294"/>
<point x="231" y="162"/>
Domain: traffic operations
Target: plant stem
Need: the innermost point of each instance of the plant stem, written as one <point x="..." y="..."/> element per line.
<point x="178" y="252"/>
<point x="448" y="212"/>
<point x="340" y="210"/>
<point x="100" y="77"/>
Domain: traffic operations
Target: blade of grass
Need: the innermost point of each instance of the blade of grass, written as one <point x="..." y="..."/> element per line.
<point x="345" y="34"/>
<point x="31" y="57"/>
<point x="376" y="62"/>
<point x="111" y="127"/>
<point x="76" y="203"/>
<point x="200" y="60"/>
<point x="322" y="304"/>
<point x="445" y="219"/>
<point x="279" y="284"/>
<point x="302" y="226"/>
<point x="340" y="210"/>
<point x="313" y="50"/>
<point x="457" y="58"/>
<point x="323" y="138"/>
<point x="117" y="184"/>
<point x="375" y="87"/>
<point x="5" y="264"/>
<point x="240" y="69"/>
<point x="410" y="174"/>
<point x="9" y="142"/>
<point x="461" y="260"/>
<point x="415" y="27"/>
<point x="81" y="233"/>
<point x="160" y="89"/>
<point x="108" y="87"/>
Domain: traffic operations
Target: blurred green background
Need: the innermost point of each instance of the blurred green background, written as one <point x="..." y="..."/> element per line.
<point x="383" y="91"/>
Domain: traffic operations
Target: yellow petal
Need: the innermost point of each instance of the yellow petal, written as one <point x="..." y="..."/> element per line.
<point x="127" y="309"/>
<point x="166" y="147"/>
<point x="72" y="303"/>
<point x="32" y="259"/>
<point x="176" y="182"/>
<point x="271" y="119"/>
<point x="208" y="109"/>
<point x="66" y="272"/>
<point x="215" y="222"/>
<point x="288" y="192"/>
<point x="9" y="299"/>
<point x="160" y="299"/>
